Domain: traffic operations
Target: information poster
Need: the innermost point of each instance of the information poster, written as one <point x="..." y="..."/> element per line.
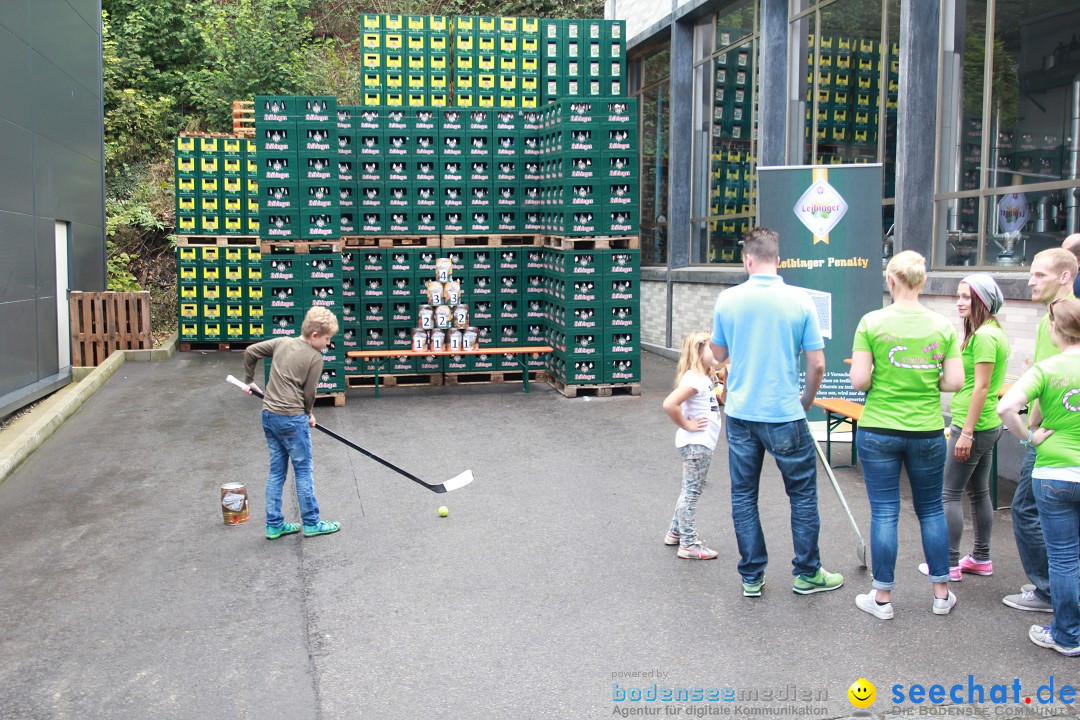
<point x="829" y="221"/>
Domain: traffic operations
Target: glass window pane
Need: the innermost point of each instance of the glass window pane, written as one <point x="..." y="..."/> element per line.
<point x="656" y="66"/>
<point x="851" y="56"/>
<point x="960" y="243"/>
<point x="800" y="102"/>
<point x="1018" y="225"/>
<point x="734" y="22"/>
<point x="654" y="174"/>
<point x="703" y="100"/>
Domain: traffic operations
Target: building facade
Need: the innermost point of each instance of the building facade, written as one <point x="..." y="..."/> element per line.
<point x="52" y="199"/>
<point x="971" y="107"/>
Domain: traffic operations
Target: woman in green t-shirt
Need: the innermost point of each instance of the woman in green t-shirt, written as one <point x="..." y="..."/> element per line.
<point x="1055" y="383"/>
<point x="903" y="356"/>
<point x="976" y="426"/>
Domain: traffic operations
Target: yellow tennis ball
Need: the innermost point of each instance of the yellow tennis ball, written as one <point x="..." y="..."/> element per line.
<point x="444" y="511"/>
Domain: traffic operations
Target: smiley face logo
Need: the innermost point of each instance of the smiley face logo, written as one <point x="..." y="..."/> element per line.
<point x="862" y="693"/>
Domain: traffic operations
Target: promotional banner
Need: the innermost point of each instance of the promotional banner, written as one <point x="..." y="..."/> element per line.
<point x="829" y="221"/>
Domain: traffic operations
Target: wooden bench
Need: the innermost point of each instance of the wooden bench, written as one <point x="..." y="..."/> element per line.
<point x="534" y="350"/>
<point x="837" y="412"/>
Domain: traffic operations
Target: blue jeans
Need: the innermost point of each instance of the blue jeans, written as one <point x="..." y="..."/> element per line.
<point x="1059" y="510"/>
<point x="882" y="456"/>
<point x="289" y="438"/>
<point x="1028" y="531"/>
<point x="792" y="447"/>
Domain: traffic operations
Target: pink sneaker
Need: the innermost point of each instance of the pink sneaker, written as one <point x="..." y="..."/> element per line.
<point x="969" y="564"/>
<point x="955" y="574"/>
<point x="697" y="551"/>
<point x="671" y="539"/>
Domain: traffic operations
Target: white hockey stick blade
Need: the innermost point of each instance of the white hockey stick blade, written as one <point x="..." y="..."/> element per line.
<point x="236" y="382"/>
<point x="458" y="481"/>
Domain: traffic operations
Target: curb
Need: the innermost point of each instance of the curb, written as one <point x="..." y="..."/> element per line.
<point x="52" y="412"/>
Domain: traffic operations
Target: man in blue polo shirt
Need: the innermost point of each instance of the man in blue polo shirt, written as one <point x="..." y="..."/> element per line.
<point x="762" y="325"/>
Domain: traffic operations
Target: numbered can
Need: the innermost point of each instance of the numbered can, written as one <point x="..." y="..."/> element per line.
<point x="435" y="292"/>
<point x="468" y="339"/>
<point x="455" y="340"/>
<point x="234" y="503"/>
<point x="444" y="268"/>
<point x="443" y="317"/>
<point x="427" y="317"/>
<point x="438" y="338"/>
<point x="452" y="292"/>
<point x="461" y="316"/>
<point x="419" y="340"/>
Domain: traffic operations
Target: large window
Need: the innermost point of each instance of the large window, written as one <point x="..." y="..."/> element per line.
<point x="1009" y="129"/>
<point x="843" y="98"/>
<point x="723" y="192"/>
<point x="653" y="70"/>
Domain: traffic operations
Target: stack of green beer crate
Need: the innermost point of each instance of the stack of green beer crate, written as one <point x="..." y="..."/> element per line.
<point x="219" y="293"/>
<point x="348" y="118"/>
<point x="216" y="186"/>
<point x="496" y="62"/>
<point x="589" y="173"/>
<point x="296" y="141"/>
<point x="405" y="61"/>
<point x="583" y="58"/>
<point x="296" y="282"/>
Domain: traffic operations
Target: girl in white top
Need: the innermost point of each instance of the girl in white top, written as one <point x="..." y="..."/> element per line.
<point x="694" y="406"/>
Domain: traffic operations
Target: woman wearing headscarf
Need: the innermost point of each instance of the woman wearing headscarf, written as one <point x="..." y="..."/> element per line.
<point x="976" y="426"/>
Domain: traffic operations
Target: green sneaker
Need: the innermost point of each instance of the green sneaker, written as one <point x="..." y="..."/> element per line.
<point x="323" y="527"/>
<point x="821" y="581"/>
<point x="273" y="533"/>
<point x="753" y="589"/>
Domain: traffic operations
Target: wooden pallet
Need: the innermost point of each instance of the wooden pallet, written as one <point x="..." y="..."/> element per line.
<point x="562" y="242"/>
<point x="572" y="391"/>
<point x="299" y="247"/>
<point x="337" y="399"/>
<point x="490" y="240"/>
<point x="497" y="376"/>
<point x="391" y="241"/>
<point x="105" y="322"/>
<point x="218" y="240"/>
<point x="215" y="345"/>
<point x="412" y="380"/>
<point x="243" y="118"/>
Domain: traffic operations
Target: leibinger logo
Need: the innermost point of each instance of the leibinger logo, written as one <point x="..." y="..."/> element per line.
<point x="820" y="209"/>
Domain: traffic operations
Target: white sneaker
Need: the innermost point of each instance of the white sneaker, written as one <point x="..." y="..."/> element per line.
<point x="868" y="603"/>
<point x="942" y="607"/>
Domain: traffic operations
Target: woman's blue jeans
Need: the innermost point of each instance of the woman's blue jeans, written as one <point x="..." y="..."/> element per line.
<point x="289" y="438"/>
<point x="882" y="457"/>
<point x="1059" y="511"/>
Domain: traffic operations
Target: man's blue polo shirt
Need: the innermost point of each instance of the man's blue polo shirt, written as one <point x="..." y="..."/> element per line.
<point x="765" y="324"/>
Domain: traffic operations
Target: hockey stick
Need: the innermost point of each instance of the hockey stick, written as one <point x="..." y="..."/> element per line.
<point x="452" y="484"/>
<point x="860" y="544"/>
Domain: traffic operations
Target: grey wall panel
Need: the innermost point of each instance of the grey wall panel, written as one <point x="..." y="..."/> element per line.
<point x="63" y="37"/>
<point x="19" y="368"/>
<point x="16" y="166"/>
<point x="65" y="111"/>
<point x="45" y="257"/>
<point x="15" y="16"/>
<point x="15" y="79"/>
<point x="48" y="341"/>
<point x="67" y="185"/>
<point x="89" y="11"/>
<point x="86" y="259"/>
<point x="18" y="266"/>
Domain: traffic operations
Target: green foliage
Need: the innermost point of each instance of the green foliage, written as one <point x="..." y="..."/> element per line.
<point x="118" y="269"/>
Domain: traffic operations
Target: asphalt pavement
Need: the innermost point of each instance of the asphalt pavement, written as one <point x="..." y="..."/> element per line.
<point x="546" y="593"/>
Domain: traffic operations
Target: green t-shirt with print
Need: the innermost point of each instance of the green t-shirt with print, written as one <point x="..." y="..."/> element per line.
<point x="1044" y="345"/>
<point x="909" y="347"/>
<point x="988" y="344"/>
<point x="1056" y="384"/>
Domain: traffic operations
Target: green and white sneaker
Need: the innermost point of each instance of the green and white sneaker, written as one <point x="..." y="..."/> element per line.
<point x="753" y="589"/>
<point x="274" y="532"/>
<point x="323" y="527"/>
<point x="821" y="581"/>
